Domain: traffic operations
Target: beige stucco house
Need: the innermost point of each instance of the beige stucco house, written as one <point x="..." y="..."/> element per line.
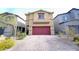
<point x="40" y="23"/>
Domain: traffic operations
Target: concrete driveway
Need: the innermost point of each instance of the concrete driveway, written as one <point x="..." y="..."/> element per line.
<point x="44" y="43"/>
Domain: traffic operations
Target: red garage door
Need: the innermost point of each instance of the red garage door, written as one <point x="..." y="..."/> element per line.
<point x="41" y="30"/>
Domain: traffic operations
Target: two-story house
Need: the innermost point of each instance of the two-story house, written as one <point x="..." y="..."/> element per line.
<point x="40" y="23"/>
<point x="66" y="22"/>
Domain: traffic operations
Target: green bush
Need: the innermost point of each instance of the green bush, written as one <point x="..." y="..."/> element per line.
<point x="6" y="44"/>
<point x="76" y="39"/>
<point x="20" y="35"/>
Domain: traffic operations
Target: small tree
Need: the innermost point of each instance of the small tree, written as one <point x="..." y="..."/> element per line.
<point x="61" y="33"/>
<point x="70" y="33"/>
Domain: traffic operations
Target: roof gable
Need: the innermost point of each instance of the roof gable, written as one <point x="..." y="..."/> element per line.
<point x="40" y="11"/>
<point x="7" y="13"/>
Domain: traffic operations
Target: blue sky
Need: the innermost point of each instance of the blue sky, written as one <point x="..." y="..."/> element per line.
<point x="25" y="10"/>
<point x="11" y="10"/>
<point x="24" y="6"/>
<point x="21" y="11"/>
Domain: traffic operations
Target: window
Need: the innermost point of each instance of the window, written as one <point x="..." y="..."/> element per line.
<point x="64" y="18"/>
<point x="8" y="18"/>
<point x="72" y="16"/>
<point x="78" y="16"/>
<point x="40" y="15"/>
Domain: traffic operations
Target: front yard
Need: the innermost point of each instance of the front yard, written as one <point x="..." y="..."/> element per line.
<point x="39" y="43"/>
<point x="45" y="43"/>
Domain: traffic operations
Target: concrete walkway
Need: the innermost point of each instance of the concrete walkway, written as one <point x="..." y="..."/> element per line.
<point x="44" y="43"/>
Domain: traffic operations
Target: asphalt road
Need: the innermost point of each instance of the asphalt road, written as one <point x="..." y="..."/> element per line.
<point x="44" y="43"/>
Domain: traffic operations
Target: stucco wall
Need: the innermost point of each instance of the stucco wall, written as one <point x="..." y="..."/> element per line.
<point x="33" y="18"/>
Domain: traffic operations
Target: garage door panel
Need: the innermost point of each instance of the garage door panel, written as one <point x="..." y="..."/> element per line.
<point x="41" y="30"/>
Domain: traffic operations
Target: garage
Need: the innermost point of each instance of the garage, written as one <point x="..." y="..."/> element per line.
<point x="41" y="30"/>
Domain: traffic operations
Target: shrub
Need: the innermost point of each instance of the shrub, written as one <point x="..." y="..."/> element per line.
<point x="76" y="39"/>
<point x="6" y="44"/>
<point x="20" y="35"/>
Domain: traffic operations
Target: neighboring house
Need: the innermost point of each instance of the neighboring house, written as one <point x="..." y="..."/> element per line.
<point x="40" y="23"/>
<point x="9" y="24"/>
<point x="63" y="23"/>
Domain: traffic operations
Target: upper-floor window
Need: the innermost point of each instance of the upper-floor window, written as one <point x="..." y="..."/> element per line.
<point x="65" y="18"/>
<point x="77" y="16"/>
<point x="8" y="18"/>
<point x="40" y="15"/>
